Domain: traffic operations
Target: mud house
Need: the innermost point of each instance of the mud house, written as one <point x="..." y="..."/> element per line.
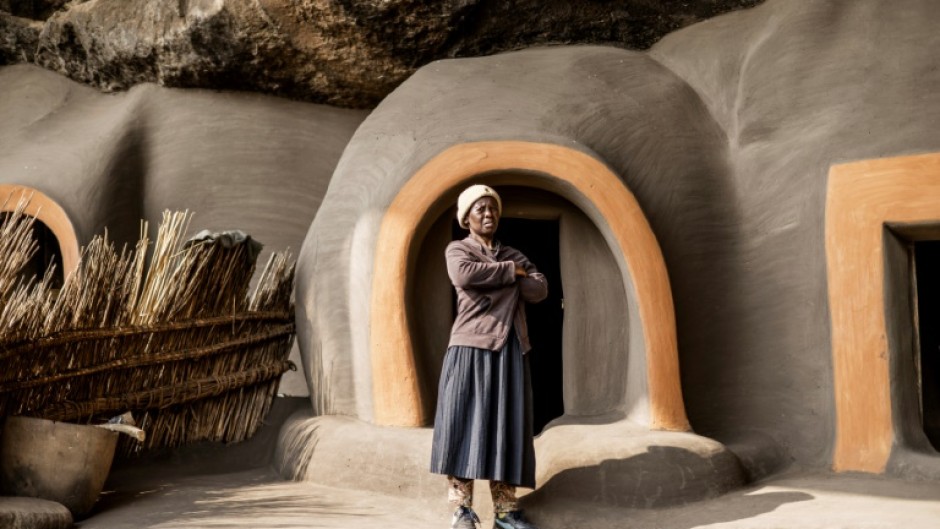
<point x="739" y="227"/>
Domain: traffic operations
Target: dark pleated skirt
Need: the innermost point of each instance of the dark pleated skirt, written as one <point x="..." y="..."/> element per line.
<point x="483" y="424"/>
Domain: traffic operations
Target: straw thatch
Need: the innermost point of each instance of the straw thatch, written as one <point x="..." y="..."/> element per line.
<point x="177" y="340"/>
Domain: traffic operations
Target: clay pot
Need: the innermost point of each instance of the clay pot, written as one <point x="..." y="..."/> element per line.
<point x="58" y="461"/>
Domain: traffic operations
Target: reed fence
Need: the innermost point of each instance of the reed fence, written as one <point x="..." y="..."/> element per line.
<point x="173" y="335"/>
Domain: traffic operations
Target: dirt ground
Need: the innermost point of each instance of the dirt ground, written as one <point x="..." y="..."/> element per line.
<point x="169" y="498"/>
<point x="216" y="486"/>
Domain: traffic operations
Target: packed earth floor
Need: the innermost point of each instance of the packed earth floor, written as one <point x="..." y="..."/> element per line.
<point x="173" y="496"/>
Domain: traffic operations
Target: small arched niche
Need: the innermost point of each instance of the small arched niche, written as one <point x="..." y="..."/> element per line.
<point x="53" y="229"/>
<point x="48" y="255"/>
<point x="579" y="333"/>
<point x="404" y="345"/>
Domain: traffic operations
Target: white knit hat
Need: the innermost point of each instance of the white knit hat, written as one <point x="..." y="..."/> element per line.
<point x="471" y="195"/>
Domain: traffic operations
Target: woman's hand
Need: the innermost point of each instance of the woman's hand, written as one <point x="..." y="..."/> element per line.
<point x="520" y="272"/>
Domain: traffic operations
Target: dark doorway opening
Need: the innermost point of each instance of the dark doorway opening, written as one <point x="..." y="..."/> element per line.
<point x="927" y="270"/>
<point x="47" y="253"/>
<point x="539" y="241"/>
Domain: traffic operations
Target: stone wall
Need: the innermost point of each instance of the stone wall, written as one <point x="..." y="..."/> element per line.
<point x="343" y="52"/>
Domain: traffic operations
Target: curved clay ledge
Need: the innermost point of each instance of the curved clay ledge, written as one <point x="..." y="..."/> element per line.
<point x="618" y="464"/>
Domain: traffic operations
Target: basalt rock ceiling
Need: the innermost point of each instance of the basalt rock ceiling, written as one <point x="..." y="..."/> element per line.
<point x="349" y="53"/>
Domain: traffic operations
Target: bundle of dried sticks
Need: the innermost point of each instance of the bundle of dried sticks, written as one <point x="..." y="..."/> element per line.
<point x="177" y="339"/>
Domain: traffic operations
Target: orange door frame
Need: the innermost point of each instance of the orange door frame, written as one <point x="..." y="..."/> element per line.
<point x="861" y="198"/>
<point x="396" y="394"/>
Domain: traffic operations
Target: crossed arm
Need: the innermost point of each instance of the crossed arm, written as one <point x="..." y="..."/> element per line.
<point x="532" y="284"/>
<point x="467" y="271"/>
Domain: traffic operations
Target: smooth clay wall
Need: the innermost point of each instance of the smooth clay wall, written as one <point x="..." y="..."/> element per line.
<point x="796" y="87"/>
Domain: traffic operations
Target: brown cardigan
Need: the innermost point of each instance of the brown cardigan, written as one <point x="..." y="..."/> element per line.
<point x="488" y="294"/>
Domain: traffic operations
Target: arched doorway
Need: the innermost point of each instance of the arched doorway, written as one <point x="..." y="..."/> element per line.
<point x="580" y="354"/>
<point x="540" y="241"/>
<point x="571" y="174"/>
<point x="56" y="234"/>
<point x="48" y="255"/>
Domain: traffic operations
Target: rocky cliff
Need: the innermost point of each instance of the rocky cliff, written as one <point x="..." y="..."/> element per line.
<point x="349" y="53"/>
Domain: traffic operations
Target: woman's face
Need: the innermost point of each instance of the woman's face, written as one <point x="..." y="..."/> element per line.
<point x="483" y="217"/>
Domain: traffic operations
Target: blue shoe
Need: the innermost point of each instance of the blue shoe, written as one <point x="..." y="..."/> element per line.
<point x="512" y="520"/>
<point x="465" y="518"/>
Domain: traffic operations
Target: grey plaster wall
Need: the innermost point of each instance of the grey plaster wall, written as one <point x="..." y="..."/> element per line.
<point x="797" y="87"/>
<point x="235" y="160"/>
<point x="241" y="161"/>
<point x="603" y="373"/>
<point x="725" y="131"/>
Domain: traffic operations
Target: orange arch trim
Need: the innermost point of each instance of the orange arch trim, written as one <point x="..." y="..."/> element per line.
<point x="396" y="395"/>
<point x="861" y="198"/>
<point x="51" y="214"/>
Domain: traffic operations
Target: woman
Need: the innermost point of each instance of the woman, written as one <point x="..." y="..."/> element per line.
<point x="483" y="424"/>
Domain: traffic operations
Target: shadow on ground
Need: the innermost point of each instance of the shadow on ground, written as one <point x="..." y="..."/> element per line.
<point x="657" y="476"/>
<point x="703" y="514"/>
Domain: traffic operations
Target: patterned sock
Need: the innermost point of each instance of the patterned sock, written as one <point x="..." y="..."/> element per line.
<point x="460" y="491"/>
